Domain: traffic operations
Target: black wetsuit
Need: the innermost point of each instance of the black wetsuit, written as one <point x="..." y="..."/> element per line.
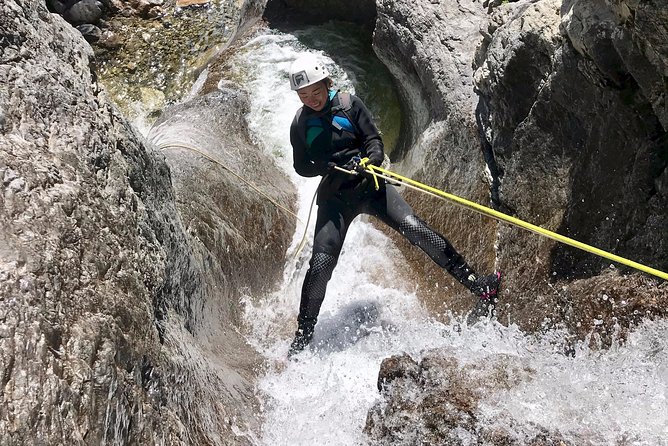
<point x="335" y="135"/>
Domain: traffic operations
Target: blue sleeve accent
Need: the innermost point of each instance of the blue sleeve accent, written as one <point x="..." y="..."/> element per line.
<point x="344" y="123"/>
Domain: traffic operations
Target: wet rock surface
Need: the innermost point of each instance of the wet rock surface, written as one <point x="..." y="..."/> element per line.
<point x="562" y="104"/>
<point x="236" y="202"/>
<point x="439" y="400"/>
<point x="429" y="47"/>
<point x="580" y="148"/>
<point x="158" y="45"/>
<point x="114" y="327"/>
<point x="510" y="108"/>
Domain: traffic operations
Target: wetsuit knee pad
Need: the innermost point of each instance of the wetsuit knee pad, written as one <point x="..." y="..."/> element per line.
<point x="322" y="263"/>
<point x="320" y="271"/>
<point x="418" y="233"/>
<point x="432" y="243"/>
<point x="315" y="286"/>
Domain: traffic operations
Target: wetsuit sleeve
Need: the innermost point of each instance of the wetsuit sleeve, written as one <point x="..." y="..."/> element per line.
<point x="302" y="165"/>
<point x="372" y="144"/>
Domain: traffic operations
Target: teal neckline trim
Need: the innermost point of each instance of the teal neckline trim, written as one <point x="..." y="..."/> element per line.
<point x="332" y="93"/>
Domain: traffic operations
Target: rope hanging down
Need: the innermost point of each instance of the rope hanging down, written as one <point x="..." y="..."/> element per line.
<point x="252" y="186"/>
<point x="412" y="184"/>
<point x="214" y="160"/>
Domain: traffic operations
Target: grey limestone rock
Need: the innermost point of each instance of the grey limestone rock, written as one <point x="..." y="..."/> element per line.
<point x="90" y="32"/>
<point x="562" y="103"/>
<point x="430" y="47"/>
<point x="549" y="111"/>
<point x="116" y="326"/>
<point x="440" y="400"/>
<point x="85" y="11"/>
<point x="573" y="114"/>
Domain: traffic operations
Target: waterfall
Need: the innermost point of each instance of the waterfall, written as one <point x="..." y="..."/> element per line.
<point x="615" y="396"/>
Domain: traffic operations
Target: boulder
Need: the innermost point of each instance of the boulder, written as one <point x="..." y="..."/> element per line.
<point x="90" y="32"/>
<point x="85" y="11"/>
<point x="442" y="400"/>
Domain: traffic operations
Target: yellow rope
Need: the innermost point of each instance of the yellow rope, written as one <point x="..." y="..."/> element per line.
<point x="394" y="177"/>
<point x="251" y="185"/>
<point x="416" y="185"/>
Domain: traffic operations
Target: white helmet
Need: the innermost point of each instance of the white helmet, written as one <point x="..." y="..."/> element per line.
<point x="307" y="70"/>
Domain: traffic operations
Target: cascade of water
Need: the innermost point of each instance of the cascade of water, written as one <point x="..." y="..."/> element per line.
<point x="371" y="313"/>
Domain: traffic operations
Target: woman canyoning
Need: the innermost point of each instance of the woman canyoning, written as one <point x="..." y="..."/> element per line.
<point x="334" y="136"/>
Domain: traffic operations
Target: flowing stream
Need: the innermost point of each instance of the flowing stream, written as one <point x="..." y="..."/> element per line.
<point x="610" y="397"/>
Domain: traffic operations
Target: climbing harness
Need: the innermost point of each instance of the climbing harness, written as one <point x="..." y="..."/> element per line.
<point x="412" y="184"/>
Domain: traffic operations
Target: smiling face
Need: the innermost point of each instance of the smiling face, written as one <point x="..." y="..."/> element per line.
<point x="314" y="96"/>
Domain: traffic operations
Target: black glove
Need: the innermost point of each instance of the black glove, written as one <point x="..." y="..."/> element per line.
<point x="363" y="186"/>
<point x="356" y="164"/>
<point x="325" y="168"/>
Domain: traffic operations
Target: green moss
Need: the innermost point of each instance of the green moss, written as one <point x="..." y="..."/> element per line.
<point x="162" y="54"/>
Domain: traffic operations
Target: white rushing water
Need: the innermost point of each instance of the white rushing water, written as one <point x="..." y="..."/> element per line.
<point x="617" y="396"/>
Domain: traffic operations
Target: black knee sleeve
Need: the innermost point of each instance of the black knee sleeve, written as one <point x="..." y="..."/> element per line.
<point x="431" y="242"/>
<point x="437" y="247"/>
<point x="314" y="288"/>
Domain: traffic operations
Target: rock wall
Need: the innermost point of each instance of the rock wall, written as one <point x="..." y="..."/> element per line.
<point x="546" y="111"/>
<point x="564" y="104"/>
<point x="116" y="327"/>
<point x="228" y="196"/>
<point x="429" y="47"/>
<point x="574" y="114"/>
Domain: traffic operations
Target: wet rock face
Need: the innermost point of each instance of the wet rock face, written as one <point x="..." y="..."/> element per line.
<point x="568" y="112"/>
<point x="83" y="264"/>
<point x="429" y="47"/>
<point x="573" y="112"/>
<point x="88" y="15"/>
<point x="625" y="40"/>
<point x="236" y="202"/>
<point x="135" y="40"/>
<point x="438" y="401"/>
<point x="78" y="12"/>
<point x="549" y="111"/>
<point x="107" y="305"/>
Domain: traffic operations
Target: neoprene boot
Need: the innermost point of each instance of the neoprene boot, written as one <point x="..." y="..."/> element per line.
<point x="487" y="288"/>
<point x="302" y="338"/>
<point x="444" y="254"/>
